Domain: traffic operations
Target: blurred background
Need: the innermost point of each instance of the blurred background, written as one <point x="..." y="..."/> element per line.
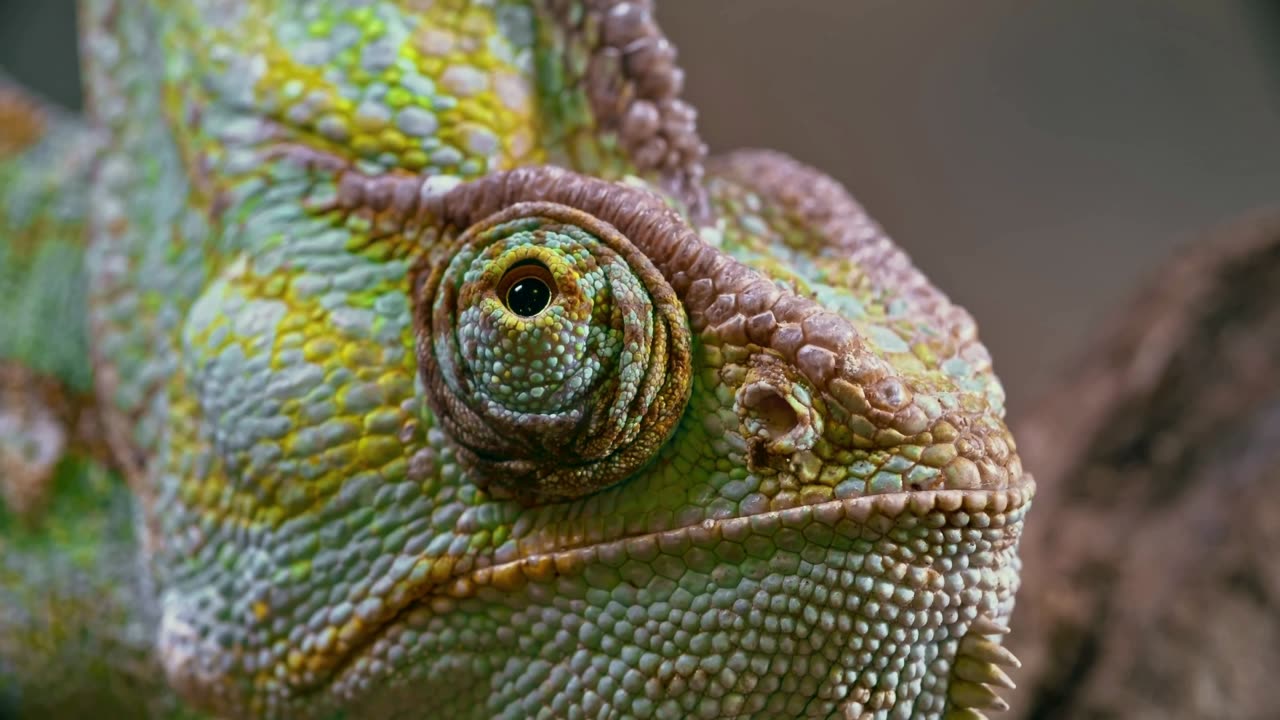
<point x="1037" y="158"/>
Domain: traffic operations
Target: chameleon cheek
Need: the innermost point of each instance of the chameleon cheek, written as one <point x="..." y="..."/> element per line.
<point x="554" y="354"/>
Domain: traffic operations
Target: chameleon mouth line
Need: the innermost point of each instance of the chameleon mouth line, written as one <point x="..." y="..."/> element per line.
<point x="866" y="510"/>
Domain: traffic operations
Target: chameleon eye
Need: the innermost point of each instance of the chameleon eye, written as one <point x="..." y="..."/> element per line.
<point x="527" y="288"/>
<point x="552" y="351"/>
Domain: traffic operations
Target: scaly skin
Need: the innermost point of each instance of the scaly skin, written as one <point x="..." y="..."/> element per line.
<point x="738" y="458"/>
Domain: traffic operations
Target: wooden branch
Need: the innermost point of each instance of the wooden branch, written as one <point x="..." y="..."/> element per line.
<point x="1152" y="559"/>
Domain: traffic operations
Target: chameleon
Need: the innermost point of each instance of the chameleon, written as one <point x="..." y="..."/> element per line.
<point x="416" y="359"/>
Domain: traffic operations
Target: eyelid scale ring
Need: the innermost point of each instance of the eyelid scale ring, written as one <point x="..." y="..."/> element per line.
<point x="573" y="398"/>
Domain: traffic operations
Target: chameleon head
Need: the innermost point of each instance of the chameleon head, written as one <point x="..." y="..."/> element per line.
<point x="540" y="444"/>
<point x="639" y="475"/>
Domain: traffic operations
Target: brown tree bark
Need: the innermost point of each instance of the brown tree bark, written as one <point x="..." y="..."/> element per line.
<point x="1152" y="555"/>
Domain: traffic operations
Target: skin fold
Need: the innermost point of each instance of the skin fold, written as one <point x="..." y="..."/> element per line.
<point x="411" y="359"/>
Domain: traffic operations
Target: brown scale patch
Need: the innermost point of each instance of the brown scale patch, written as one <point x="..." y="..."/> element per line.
<point x="40" y="423"/>
<point x="633" y="84"/>
<point x="22" y="122"/>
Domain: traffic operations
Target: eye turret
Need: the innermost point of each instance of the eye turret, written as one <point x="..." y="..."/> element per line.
<point x="553" y="352"/>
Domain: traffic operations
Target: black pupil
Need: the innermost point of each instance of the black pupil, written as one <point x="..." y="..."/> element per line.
<point x="528" y="297"/>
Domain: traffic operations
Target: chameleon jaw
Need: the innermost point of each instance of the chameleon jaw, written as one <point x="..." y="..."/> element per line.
<point x="998" y="511"/>
<point x="346" y="674"/>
